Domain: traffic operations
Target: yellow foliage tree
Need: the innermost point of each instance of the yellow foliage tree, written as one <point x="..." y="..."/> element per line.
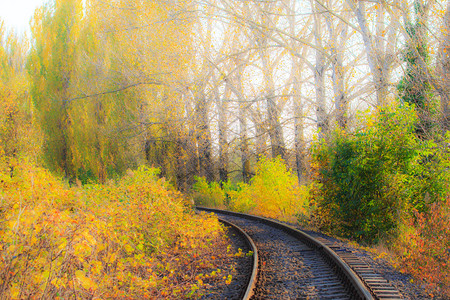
<point x="55" y="30"/>
<point x="106" y="81"/>
<point x="16" y="133"/>
<point x="273" y="192"/>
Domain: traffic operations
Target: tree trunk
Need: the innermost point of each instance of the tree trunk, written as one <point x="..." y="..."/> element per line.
<point x="273" y="120"/>
<point x="298" y="128"/>
<point x="319" y="74"/>
<point x="190" y="147"/>
<point x="203" y="136"/>
<point x="338" y="37"/>
<point x="242" y="117"/>
<point x="275" y="129"/>
<point x="379" y="62"/>
<point x="297" y="67"/>
<point x="223" y="143"/>
<point x="261" y="133"/>
<point x="181" y="164"/>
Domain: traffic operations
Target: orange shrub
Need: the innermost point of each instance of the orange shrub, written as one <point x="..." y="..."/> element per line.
<point x="425" y="247"/>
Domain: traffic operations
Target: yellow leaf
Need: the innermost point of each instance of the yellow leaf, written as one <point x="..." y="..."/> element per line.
<point x="63" y="244"/>
<point x="44" y="276"/>
<point x="85" y="282"/>
<point x="112" y="258"/>
<point x="57" y="282"/>
<point x="97" y="267"/>
<point x="101" y="247"/>
<point x="89" y="238"/>
<point x="15" y="291"/>
<point x="81" y="250"/>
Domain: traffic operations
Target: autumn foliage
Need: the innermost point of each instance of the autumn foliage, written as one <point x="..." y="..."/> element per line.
<point x="273" y="192"/>
<point x="424" y="247"/>
<point x="208" y="193"/>
<point x="382" y="183"/>
<point x="232" y="92"/>
<point x="134" y="238"/>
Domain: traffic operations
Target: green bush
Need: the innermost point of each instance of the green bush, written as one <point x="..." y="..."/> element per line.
<point x="429" y="176"/>
<point x="369" y="180"/>
<point x="208" y="194"/>
<point x="362" y="174"/>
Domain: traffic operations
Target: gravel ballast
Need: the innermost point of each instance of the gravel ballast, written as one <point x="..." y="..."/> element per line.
<point x="277" y="280"/>
<point x="288" y="268"/>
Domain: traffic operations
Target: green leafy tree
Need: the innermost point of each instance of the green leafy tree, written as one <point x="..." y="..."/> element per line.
<point x="51" y="67"/>
<point x="363" y="174"/>
<point x="415" y="88"/>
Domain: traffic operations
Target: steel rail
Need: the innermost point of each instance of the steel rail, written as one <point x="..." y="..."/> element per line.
<point x="252" y="280"/>
<point x="343" y="270"/>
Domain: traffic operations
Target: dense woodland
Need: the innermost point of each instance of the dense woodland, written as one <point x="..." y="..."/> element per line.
<point x="333" y="114"/>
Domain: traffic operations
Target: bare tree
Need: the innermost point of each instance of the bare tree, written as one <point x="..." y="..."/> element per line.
<point x="444" y="70"/>
<point x="262" y="17"/>
<point x="379" y="46"/>
<point x="319" y="70"/>
<point x="338" y="34"/>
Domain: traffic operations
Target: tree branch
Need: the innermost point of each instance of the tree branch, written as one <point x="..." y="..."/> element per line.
<point x="115" y="91"/>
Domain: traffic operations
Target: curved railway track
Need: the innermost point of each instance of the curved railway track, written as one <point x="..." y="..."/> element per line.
<point x="247" y="293"/>
<point x="295" y="265"/>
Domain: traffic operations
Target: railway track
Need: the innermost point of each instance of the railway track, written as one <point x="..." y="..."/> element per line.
<point x="250" y="283"/>
<point x="295" y="265"/>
